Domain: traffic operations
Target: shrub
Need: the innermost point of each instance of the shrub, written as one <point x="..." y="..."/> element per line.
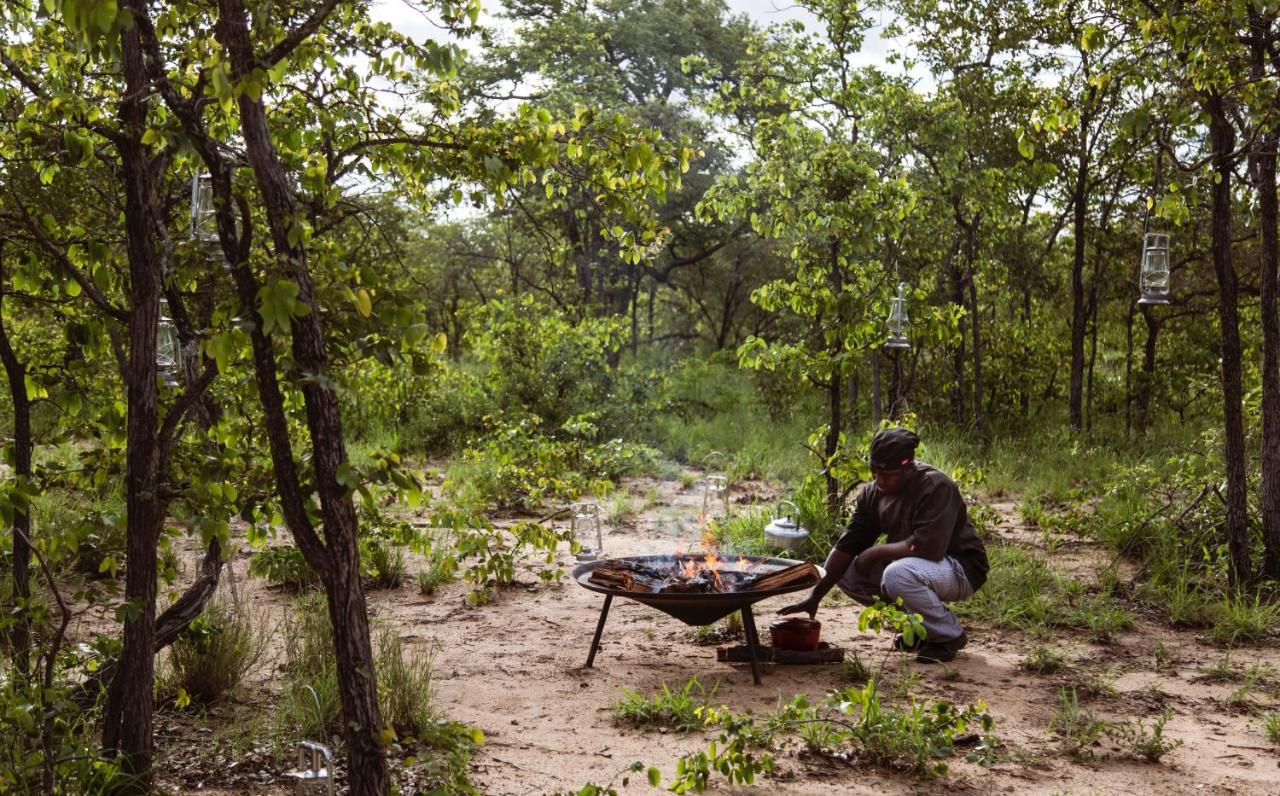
<point x="214" y="654"/>
<point x="285" y="567"/>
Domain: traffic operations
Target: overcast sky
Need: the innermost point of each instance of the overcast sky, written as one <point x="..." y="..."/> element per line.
<point x="408" y="19"/>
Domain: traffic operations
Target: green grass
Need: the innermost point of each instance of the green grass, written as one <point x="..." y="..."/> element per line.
<point x="672" y="710"/>
<point x="1271" y="728"/>
<point x="1024" y="593"/>
<point x="1241" y="619"/>
<point x="1043" y="660"/>
<point x="1077" y="726"/>
<point x="214" y="655"/>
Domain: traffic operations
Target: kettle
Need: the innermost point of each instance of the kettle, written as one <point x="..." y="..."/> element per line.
<point x="785" y="532"/>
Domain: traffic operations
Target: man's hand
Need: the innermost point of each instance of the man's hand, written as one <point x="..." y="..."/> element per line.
<point x="809" y="606"/>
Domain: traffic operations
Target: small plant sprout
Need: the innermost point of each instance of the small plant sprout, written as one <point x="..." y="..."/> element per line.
<point x="1271" y="728"/>
<point x="1135" y="740"/>
<point x="1161" y="656"/>
<point x="1077" y="726"/>
<point x="1043" y="660"/>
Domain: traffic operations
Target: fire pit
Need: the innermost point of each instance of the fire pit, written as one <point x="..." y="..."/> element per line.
<point x="697" y="590"/>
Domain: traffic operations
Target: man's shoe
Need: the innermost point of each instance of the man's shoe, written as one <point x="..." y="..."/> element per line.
<point x="941" y="651"/>
<point x="900" y="644"/>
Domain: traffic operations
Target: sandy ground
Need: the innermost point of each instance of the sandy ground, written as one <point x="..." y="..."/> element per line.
<point x="514" y="668"/>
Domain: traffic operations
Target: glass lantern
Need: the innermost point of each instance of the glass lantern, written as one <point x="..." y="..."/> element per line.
<point x="1154" y="279"/>
<point x="584" y="525"/>
<point x="314" y="775"/>
<point x="168" y="348"/>
<point x="204" y="222"/>
<point x="715" y="490"/>
<point x="899" y="321"/>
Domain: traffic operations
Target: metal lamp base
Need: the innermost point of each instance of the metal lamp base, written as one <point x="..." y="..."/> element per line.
<point x="898" y="343"/>
<point x="1154" y="299"/>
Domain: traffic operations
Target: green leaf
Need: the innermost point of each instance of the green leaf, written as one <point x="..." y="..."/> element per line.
<point x="655" y="776"/>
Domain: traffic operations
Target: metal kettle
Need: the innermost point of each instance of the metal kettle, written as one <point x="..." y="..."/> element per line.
<point x="784" y="531"/>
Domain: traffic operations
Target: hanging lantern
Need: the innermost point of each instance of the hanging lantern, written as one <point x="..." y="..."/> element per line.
<point x="204" y="223"/>
<point x="168" y="348"/>
<point x="584" y="525"/>
<point x="1154" y="279"/>
<point x="899" y="321"/>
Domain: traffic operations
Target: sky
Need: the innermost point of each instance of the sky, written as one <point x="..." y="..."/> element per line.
<point x="764" y="12"/>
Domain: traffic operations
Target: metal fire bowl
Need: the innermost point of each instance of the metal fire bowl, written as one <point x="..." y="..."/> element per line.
<point x="693" y="609"/>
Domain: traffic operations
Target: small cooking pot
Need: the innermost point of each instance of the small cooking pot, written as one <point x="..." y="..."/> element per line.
<point x="795" y="633"/>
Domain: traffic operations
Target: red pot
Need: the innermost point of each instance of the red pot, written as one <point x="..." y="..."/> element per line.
<point x="795" y="633"/>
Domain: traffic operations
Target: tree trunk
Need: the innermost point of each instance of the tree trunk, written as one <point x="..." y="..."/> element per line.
<point x="1267" y="220"/>
<point x="971" y="258"/>
<point x="348" y="614"/>
<point x="877" y="413"/>
<point x="835" y="389"/>
<point x="958" y="355"/>
<point x="1222" y="138"/>
<point x="1080" y="199"/>
<point x="1147" y="377"/>
<point x="1128" y="370"/>
<point x="128" y="713"/>
<point x="1093" y="357"/>
<point x="20" y="571"/>
<point x="1264" y="162"/>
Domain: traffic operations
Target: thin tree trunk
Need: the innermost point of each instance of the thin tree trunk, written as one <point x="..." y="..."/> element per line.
<point x="1080" y="206"/>
<point x="971" y="257"/>
<point x="877" y="413"/>
<point x="1147" y="376"/>
<point x="1222" y="138"/>
<point x="1268" y="217"/>
<point x="348" y="614"/>
<point x="958" y="355"/>
<point x="127" y="724"/>
<point x="20" y="571"/>
<point x="1128" y="370"/>
<point x="1093" y="357"/>
<point x="835" y="390"/>
<point x="1264" y="157"/>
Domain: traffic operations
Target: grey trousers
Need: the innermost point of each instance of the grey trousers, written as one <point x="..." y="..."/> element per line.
<point x="925" y="587"/>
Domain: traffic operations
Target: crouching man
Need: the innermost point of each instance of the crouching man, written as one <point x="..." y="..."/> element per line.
<point x="933" y="555"/>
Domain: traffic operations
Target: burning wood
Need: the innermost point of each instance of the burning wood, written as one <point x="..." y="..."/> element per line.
<point x="692" y="575"/>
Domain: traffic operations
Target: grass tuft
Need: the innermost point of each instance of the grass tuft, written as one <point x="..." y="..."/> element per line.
<point x="675" y="710"/>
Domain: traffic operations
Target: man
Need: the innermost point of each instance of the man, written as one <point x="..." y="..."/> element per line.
<point x="933" y="555"/>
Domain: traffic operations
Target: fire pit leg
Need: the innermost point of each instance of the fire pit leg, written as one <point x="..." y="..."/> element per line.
<point x="753" y="642"/>
<point x="595" y="642"/>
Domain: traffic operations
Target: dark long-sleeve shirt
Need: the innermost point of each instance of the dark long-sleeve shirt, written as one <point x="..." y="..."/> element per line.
<point x="928" y="513"/>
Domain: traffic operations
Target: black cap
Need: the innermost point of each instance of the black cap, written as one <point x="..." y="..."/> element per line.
<point x="892" y="449"/>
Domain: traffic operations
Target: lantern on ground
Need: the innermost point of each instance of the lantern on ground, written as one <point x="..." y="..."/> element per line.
<point x="168" y="348"/>
<point x="1154" y="277"/>
<point x="584" y="525"/>
<point x="204" y="222"/>
<point x="715" y="489"/>
<point x="314" y="776"/>
<point x="899" y="321"/>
